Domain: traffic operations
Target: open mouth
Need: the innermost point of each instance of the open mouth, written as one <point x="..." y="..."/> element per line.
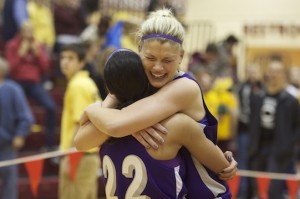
<point x="158" y="76"/>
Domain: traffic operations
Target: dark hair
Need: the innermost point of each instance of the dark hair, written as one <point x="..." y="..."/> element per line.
<point x="104" y="25"/>
<point x="78" y="48"/>
<point x="212" y="48"/>
<point x="232" y="39"/>
<point x="124" y="77"/>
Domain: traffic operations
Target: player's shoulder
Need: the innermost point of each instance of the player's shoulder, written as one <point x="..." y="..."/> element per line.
<point x="183" y="85"/>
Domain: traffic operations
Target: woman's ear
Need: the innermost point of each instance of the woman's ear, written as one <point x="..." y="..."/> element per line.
<point x="181" y="54"/>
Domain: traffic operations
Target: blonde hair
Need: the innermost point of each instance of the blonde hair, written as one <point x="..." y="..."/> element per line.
<point x="161" y="22"/>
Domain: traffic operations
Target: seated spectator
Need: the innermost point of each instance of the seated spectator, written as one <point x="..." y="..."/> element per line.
<point x="29" y="63"/>
<point x="14" y="15"/>
<point x="68" y="21"/>
<point x="41" y="18"/>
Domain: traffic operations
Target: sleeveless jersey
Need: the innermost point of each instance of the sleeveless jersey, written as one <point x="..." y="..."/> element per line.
<point x="131" y="172"/>
<point x="201" y="182"/>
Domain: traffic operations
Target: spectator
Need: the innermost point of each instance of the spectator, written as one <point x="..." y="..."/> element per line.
<point x="68" y="21"/>
<point x="210" y="94"/>
<point x="220" y="58"/>
<point x="197" y="64"/>
<point x="226" y="53"/>
<point x="222" y="103"/>
<point x="216" y="66"/>
<point x="274" y="127"/>
<point x="14" y="15"/>
<point x="226" y="112"/>
<point x="15" y="121"/>
<point x="294" y="81"/>
<point x="91" y="65"/>
<point x="90" y="7"/>
<point x="100" y="69"/>
<point x="246" y="90"/>
<point x="81" y="91"/>
<point x="92" y="17"/>
<point x="41" y="17"/>
<point x="29" y="63"/>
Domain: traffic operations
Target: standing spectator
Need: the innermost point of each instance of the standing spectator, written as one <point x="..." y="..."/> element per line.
<point x="210" y="94"/>
<point x="41" y="17"/>
<point x="226" y="53"/>
<point x="274" y="127"/>
<point x="216" y="66"/>
<point x="245" y="92"/>
<point x="14" y="15"/>
<point x="226" y="112"/>
<point x="81" y="92"/>
<point x="293" y="81"/>
<point x="220" y="58"/>
<point x="29" y="63"/>
<point x="15" y="122"/>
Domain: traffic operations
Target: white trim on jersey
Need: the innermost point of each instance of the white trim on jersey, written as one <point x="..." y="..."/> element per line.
<point x="179" y="183"/>
<point x="215" y="187"/>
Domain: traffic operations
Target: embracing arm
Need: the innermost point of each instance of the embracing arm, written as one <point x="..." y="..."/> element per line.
<point x="185" y="131"/>
<point x="174" y="97"/>
<point x="87" y="135"/>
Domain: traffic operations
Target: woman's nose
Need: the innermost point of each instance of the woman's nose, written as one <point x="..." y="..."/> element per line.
<point x="158" y="66"/>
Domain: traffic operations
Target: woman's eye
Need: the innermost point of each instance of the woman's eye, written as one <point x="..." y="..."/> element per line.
<point x="150" y="59"/>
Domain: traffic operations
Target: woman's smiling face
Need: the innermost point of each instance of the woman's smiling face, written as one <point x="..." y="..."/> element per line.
<point x="161" y="61"/>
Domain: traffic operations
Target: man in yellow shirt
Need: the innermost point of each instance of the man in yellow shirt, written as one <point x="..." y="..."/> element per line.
<point x="81" y="91"/>
<point x="226" y="112"/>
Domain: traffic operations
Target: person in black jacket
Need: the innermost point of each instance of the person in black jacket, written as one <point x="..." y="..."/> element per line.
<point x="245" y="92"/>
<point x="274" y="127"/>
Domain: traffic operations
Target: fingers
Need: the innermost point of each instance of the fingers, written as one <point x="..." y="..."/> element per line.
<point x="141" y="140"/>
<point x="228" y="155"/>
<point x="152" y="133"/>
<point x="148" y="138"/>
<point x="227" y="176"/>
<point x="229" y="172"/>
<point x="160" y="128"/>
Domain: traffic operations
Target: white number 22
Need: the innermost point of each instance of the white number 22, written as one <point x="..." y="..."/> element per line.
<point x="130" y="163"/>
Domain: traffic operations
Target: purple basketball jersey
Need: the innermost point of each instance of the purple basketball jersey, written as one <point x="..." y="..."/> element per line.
<point x="130" y="172"/>
<point x="201" y="182"/>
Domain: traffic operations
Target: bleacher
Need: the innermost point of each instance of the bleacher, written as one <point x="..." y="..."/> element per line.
<point x="35" y="141"/>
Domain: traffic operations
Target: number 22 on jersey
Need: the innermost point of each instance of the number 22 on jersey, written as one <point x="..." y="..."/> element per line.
<point x="130" y="164"/>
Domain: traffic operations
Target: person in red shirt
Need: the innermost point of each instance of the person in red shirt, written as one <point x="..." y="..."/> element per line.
<point x="29" y="62"/>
